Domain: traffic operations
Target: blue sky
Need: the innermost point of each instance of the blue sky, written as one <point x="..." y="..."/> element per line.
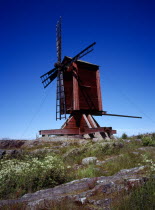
<point x="125" y="50"/>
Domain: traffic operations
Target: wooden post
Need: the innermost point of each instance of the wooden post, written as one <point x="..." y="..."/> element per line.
<point x="99" y="90"/>
<point x="75" y="88"/>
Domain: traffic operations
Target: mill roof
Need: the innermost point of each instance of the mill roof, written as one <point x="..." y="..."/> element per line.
<point x="80" y="61"/>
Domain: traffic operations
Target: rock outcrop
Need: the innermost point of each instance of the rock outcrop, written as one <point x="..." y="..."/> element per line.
<point x="89" y="193"/>
<point x="9" y="144"/>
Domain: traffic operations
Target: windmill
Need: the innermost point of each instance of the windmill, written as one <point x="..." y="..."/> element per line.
<point x="78" y="93"/>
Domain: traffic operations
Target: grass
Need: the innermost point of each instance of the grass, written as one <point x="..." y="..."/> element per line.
<point x="89" y="171"/>
<point x="122" y="162"/>
<point x="142" y="198"/>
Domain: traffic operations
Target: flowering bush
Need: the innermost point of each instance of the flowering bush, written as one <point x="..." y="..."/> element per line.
<point x="150" y="164"/>
<point x="19" y="176"/>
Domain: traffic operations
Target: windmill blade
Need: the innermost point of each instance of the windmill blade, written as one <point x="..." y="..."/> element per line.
<point x="84" y="52"/>
<point x="58" y="40"/>
<point x="80" y="55"/>
<point x="48" y="73"/>
<point x="60" y="94"/>
<point x="48" y="77"/>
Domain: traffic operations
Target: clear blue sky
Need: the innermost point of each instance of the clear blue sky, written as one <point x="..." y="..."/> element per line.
<point x="125" y="50"/>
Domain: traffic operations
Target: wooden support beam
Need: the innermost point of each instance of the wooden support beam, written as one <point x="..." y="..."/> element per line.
<point x="75" y="88"/>
<point x="87" y="121"/>
<point x="66" y="122"/>
<point x="92" y="122"/>
<point x="100" y="129"/>
<point x="75" y="131"/>
<point x="71" y="131"/>
<point x="99" y="90"/>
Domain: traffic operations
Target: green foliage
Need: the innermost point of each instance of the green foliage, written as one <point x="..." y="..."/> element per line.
<point x="139" y="136"/>
<point x="148" y="140"/>
<point x="124" y="136"/>
<point x="153" y="136"/>
<point x="29" y="175"/>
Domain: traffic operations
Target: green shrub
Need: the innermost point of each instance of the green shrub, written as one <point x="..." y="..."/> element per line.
<point x="139" y="136"/>
<point x="148" y="141"/>
<point x="18" y="177"/>
<point x="124" y="136"/>
<point x="153" y="136"/>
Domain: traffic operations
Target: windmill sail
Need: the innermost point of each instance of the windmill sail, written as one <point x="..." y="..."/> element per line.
<point x="49" y="77"/>
<point x="60" y="96"/>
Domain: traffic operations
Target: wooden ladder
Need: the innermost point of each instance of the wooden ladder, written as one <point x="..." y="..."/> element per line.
<point x="60" y="97"/>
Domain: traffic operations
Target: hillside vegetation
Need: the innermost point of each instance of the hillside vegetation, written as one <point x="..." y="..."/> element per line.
<point x="37" y="165"/>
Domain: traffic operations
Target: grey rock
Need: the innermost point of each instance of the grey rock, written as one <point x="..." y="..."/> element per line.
<point x="130" y="171"/>
<point x="142" y="149"/>
<point x="83" y="142"/>
<point x="127" y="140"/>
<point x="87" y="136"/>
<point x="118" y="144"/>
<point x="11" y="144"/>
<point x="81" y="200"/>
<point x="60" y="138"/>
<point x="94" y="140"/>
<point x="103" y="144"/>
<point x="65" y="144"/>
<point x="89" y="160"/>
<point x="44" y="150"/>
<point x="138" y="140"/>
<point x="147" y="149"/>
<point x="135" y="153"/>
<point x="13" y="152"/>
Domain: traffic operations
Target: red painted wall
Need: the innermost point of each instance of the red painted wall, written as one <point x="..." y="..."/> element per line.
<point x="86" y="91"/>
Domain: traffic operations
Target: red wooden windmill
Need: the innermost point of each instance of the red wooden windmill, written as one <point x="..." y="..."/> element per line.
<point x="78" y="94"/>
